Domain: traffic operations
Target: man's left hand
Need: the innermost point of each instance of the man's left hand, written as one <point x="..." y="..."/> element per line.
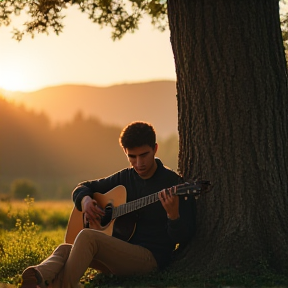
<point x="170" y="203"/>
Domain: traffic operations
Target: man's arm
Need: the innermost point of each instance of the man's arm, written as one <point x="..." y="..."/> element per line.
<point x="102" y="185"/>
<point x="181" y="218"/>
<point x="183" y="228"/>
<point x="82" y="190"/>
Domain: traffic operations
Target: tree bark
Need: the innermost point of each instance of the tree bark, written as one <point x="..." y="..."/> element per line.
<point x="232" y="121"/>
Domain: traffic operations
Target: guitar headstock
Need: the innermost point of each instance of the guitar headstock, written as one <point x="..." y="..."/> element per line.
<point x="194" y="188"/>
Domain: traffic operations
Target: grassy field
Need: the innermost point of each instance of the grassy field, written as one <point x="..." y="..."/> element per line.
<point x="47" y="214"/>
<point x="30" y="231"/>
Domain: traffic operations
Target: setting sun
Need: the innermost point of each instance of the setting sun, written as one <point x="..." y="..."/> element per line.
<point x="14" y="77"/>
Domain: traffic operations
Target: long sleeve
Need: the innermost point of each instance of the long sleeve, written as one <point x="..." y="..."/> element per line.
<point x="182" y="229"/>
<point x="103" y="185"/>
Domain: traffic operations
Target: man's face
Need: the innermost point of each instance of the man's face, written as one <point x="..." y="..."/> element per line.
<point x="142" y="159"/>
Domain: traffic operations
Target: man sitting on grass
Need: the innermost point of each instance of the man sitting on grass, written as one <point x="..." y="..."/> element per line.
<point x="159" y="226"/>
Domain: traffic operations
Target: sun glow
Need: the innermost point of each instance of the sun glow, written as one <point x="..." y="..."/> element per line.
<point x="13" y="78"/>
<point x="17" y="67"/>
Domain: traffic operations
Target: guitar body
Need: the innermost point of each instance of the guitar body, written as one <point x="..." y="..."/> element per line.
<point x="114" y="197"/>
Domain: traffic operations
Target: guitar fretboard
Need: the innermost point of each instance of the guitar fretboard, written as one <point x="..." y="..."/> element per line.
<point x="182" y="189"/>
<point x="134" y="205"/>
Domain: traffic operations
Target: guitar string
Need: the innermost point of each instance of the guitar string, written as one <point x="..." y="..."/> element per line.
<point x="135" y="204"/>
<point x="144" y="201"/>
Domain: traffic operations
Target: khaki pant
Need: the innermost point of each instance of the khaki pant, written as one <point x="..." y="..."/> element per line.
<point x="91" y="248"/>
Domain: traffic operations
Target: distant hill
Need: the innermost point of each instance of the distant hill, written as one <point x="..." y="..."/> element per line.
<point x="57" y="158"/>
<point x="154" y="102"/>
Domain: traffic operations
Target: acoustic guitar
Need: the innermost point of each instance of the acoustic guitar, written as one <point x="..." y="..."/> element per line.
<point x="114" y="204"/>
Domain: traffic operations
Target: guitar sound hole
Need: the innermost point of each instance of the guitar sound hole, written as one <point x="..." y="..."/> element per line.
<point x="105" y="220"/>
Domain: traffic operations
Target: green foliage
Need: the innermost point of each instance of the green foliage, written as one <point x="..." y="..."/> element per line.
<point x="20" y="188"/>
<point x="48" y="215"/>
<point x="22" y="247"/>
<point x="27" y="245"/>
<point x="121" y="16"/>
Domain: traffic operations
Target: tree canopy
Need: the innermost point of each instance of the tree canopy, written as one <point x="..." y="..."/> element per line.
<point x="122" y="16"/>
<point x="45" y="15"/>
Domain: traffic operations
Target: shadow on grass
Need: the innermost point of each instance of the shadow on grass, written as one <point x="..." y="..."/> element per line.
<point x="169" y="279"/>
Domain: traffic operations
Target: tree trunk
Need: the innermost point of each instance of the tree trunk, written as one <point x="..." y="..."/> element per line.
<point x="232" y="105"/>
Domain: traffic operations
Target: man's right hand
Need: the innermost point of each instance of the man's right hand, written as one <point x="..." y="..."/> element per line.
<point x="92" y="212"/>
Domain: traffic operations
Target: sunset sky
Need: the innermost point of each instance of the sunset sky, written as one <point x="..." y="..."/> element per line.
<point x="83" y="54"/>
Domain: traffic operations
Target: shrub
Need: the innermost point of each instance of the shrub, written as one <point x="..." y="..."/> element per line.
<point x="20" y="188"/>
<point x="23" y="247"/>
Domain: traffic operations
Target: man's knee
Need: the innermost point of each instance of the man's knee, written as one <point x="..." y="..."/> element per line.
<point x="86" y="236"/>
<point x="63" y="250"/>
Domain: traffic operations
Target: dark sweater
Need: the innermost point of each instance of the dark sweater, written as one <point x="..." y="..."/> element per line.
<point x="153" y="230"/>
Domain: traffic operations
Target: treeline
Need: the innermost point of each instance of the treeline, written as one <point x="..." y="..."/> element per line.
<point x="57" y="158"/>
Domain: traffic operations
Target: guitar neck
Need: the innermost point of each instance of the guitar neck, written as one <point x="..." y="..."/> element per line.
<point x="134" y="205"/>
<point x="182" y="189"/>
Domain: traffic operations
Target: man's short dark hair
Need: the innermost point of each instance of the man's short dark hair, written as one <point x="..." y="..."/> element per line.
<point x="137" y="134"/>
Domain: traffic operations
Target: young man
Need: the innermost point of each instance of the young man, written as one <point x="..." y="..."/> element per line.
<point x="159" y="226"/>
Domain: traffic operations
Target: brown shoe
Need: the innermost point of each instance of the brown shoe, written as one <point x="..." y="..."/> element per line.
<point x="31" y="278"/>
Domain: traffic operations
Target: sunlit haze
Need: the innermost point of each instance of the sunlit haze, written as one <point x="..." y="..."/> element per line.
<point x="83" y="54"/>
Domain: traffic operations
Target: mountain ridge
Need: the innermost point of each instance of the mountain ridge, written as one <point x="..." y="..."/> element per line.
<point x="118" y="104"/>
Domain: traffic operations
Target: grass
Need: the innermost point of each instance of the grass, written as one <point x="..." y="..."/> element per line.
<point x="47" y="214"/>
<point x="170" y="279"/>
<point x="26" y="243"/>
